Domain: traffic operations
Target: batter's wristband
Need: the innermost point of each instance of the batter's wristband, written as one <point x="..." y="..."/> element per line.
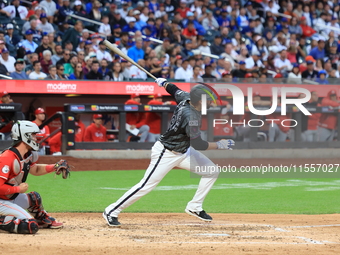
<point x="49" y="168"/>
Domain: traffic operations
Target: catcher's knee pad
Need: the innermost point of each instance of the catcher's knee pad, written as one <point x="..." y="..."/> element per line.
<point x="35" y="202"/>
<point x="19" y="226"/>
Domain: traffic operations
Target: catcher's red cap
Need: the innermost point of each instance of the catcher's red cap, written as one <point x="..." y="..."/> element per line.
<point x="134" y="95"/>
<point x="97" y="116"/>
<point x="39" y="110"/>
<point x="157" y="95"/>
<point x="3" y="93"/>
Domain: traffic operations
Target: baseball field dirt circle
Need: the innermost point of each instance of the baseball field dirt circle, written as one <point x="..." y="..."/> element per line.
<point x="154" y="233"/>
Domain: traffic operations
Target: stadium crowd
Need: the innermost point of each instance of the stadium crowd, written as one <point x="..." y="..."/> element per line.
<point x="196" y="40"/>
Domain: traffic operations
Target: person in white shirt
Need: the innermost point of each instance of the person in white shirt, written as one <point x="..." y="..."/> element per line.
<point x="282" y="63"/>
<point x="15" y="10"/>
<point x="36" y="73"/>
<point x="294" y="77"/>
<point x="183" y="73"/>
<point x="204" y="48"/>
<point x="136" y="73"/>
<point x="50" y="8"/>
<point x="196" y="75"/>
<point x="105" y="28"/>
<point x="102" y="53"/>
<point x="45" y="26"/>
<point x="253" y="62"/>
<point x="7" y="60"/>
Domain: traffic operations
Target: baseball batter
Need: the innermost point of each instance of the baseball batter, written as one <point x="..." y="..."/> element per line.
<point x="177" y="147"/>
<point x="21" y="212"/>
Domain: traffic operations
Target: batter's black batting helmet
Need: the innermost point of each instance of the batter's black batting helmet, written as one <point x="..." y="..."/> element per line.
<point x="197" y="91"/>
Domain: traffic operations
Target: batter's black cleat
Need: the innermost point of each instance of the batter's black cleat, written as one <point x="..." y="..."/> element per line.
<point x="201" y="215"/>
<point x="111" y="221"/>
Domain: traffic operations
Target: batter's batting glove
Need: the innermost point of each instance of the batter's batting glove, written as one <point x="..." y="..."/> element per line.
<point x="225" y="144"/>
<point x="161" y="82"/>
<point x="62" y="168"/>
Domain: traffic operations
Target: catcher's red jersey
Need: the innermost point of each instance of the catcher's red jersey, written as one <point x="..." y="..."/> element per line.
<point x="11" y="169"/>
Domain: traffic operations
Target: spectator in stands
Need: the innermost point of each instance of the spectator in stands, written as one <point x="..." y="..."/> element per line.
<point x="102" y="53"/>
<point x="196" y="77"/>
<point x="282" y="63"/>
<point x="310" y="73"/>
<point x="50" y="9"/>
<point x="136" y="52"/>
<point x="40" y="117"/>
<point x="105" y="28"/>
<point x="36" y="73"/>
<point x="58" y="54"/>
<point x="95" y="13"/>
<point x="19" y="74"/>
<point x="96" y="132"/>
<point x="60" y="72"/>
<point x="133" y="72"/>
<point x="81" y="57"/>
<point x="103" y="69"/>
<point x="7" y="60"/>
<point x="63" y="11"/>
<point x="183" y="73"/>
<point x="318" y="52"/>
<point x="139" y="23"/>
<point x="78" y="73"/>
<point x="29" y="44"/>
<point x="241" y="71"/>
<point x="15" y="10"/>
<point x="294" y="76"/>
<point x="116" y="73"/>
<point x="44" y="46"/>
<point x="94" y="74"/>
<point x="207" y="76"/>
<point x="70" y="67"/>
<point x="137" y="119"/>
<point x="183" y="9"/>
<point x="65" y="59"/>
<point x="322" y="77"/>
<point x="11" y="39"/>
<point x="328" y="121"/>
<point x="46" y="61"/>
<point x="116" y="18"/>
<point x="33" y="57"/>
<point x="216" y="47"/>
<point x="73" y="35"/>
<point x="52" y="70"/>
<point x="44" y="25"/>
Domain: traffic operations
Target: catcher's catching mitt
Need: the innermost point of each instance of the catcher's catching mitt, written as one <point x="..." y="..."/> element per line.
<point x="63" y="168"/>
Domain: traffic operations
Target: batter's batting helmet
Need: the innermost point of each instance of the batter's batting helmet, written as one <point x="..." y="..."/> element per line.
<point x="23" y="130"/>
<point x="197" y="91"/>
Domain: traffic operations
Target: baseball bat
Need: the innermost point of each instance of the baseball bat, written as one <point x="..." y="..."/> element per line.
<point x="121" y="54"/>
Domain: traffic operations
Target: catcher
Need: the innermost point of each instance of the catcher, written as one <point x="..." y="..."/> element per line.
<point x="21" y="212"/>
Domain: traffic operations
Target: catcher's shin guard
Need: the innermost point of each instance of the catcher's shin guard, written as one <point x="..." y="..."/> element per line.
<point x="37" y="210"/>
<point x="19" y="226"/>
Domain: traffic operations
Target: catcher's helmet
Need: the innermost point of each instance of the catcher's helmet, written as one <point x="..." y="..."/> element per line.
<point x="22" y="130"/>
<point x="197" y="91"/>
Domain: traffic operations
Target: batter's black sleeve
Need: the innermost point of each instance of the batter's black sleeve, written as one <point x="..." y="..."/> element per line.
<point x="172" y="89"/>
<point x="199" y="144"/>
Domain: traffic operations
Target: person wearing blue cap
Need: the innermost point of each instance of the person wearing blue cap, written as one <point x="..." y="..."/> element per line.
<point x="241" y="71"/>
<point x="310" y="73"/>
<point x="130" y="27"/>
<point x="29" y="44"/>
<point x="322" y="77"/>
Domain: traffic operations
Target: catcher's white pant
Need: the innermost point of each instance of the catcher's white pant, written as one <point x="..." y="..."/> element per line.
<point x="16" y="207"/>
<point x="162" y="161"/>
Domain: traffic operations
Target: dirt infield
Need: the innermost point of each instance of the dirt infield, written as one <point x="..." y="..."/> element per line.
<point x="150" y="233"/>
<point x="135" y="164"/>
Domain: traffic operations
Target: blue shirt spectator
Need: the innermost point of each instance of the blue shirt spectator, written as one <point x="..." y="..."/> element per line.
<point x="28" y="44"/>
<point x="130" y="27"/>
<point x="19" y="74"/>
<point x="318" y="52"/>
<point x="136" y="52"/>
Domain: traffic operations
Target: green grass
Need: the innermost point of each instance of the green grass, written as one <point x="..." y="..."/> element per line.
<point x="83" y="193"/>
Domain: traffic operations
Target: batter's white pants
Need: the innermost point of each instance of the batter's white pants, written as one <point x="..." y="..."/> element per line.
<point x="162" y="161"/>
<point x="15" y="208"/>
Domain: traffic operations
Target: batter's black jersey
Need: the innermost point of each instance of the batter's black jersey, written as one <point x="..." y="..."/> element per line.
<point x="185" y="124"/>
